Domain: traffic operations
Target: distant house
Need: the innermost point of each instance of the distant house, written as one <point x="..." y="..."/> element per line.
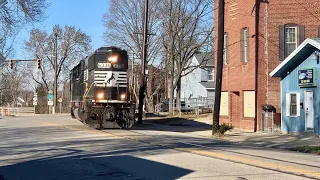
<point x="200" y="82"/>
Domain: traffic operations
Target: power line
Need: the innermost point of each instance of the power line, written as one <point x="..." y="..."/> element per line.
<point x="308" y="10"/>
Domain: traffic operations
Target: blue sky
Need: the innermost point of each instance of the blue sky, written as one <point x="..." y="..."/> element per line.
<point x="83" y="14"/>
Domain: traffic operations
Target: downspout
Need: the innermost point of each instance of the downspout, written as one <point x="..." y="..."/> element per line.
<point x="266" y="50"/>
<point x="256" y="62"/>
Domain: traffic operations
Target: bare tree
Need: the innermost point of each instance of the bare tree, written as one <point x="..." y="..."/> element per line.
<point x="13" y="16"/>
<point x="124" y="22"/>
<point x="6" y="42"/>
<point x="17" y="13"/>
<point x="72" y="46"/>
<point x="189" y="29"/>
<point x="124" y="28"/>
<point x="12" y="83"/>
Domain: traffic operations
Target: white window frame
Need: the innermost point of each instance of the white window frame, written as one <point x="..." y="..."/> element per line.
<point x="289" y="105"/>
<point x="246" y="44"/>
<point x="286" y="42"/>
<point x="225" y="48"/>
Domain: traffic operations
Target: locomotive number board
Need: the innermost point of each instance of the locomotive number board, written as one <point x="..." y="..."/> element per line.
<point x="104" y="65"/>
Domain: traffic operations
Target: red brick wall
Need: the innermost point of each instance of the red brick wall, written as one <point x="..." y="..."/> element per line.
<point x="239" y="76"/>
<point x="281" y="12"/>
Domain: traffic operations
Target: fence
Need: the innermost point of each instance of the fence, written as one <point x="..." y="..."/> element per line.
<point x="195" y="105"/>
<point x="199" y="104"/>
<point x="16" y="111"/>
<point x="270" y="122"/>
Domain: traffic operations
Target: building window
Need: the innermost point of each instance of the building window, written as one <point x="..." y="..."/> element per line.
<point x="290" y="37"/>
<point x="291" y="40"/>
<point x="210" y="74"/>
<point x="225" y="48"/>
<point x="293" y="104"/>
<point x="244" y="44"/>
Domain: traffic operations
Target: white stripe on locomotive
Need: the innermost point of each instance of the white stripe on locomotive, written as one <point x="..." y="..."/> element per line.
<point x="105" y="79"/>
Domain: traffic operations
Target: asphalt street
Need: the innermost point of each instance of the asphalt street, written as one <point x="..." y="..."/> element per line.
<point x="58" y="147"/>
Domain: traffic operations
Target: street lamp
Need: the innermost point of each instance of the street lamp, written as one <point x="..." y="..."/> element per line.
<point x="2" y="3"/>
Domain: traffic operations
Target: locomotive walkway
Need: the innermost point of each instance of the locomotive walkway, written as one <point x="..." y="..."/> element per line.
<point x="58" y="147"/>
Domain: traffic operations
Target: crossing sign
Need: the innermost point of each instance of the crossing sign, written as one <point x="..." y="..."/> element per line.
<point x="35" y="98"/>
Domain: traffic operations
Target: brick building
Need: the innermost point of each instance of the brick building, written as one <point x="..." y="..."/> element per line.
<point x="259" y="35"/>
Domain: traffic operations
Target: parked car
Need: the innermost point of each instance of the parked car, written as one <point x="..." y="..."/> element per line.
<point x="164" y="105"/>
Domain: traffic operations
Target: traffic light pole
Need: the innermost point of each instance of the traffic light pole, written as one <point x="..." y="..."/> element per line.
<point x="25" y="60"/>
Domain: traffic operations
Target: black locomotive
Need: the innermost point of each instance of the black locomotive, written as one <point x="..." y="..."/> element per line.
<point x="100" y="94"/>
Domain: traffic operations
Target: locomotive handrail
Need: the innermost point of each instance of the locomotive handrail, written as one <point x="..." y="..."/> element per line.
<point x="86" y="93"/>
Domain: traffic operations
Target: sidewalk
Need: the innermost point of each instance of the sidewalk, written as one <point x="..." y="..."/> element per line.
<point x="282" y="141"/>
<point x="202" y="127"/>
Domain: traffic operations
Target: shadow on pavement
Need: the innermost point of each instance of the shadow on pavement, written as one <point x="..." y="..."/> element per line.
<point x="175" y="124"/>
<point x="29" y="153"/>
<point x="91" y="167"/>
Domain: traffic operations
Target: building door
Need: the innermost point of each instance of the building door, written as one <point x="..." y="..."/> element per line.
<point x="309" y="113"/>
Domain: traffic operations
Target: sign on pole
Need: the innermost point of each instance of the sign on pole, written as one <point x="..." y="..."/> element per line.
<point x="35" y="101"/>
<point x="50" y="103"/>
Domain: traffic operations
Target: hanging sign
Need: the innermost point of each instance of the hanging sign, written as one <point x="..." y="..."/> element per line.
<point x="307" y="77"/>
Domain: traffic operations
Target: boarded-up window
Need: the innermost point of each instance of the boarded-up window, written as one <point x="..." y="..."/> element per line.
<point x="249" y="103"/>
<point x="224" y="106"/>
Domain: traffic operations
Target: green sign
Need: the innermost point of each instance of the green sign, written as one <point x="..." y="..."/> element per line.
<point x="50" y="96"/>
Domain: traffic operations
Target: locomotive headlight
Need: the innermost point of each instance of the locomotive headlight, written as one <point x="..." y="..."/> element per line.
<point x="100" y="95"/>
<point x="113" y="59"/>
<point x="122" y="96"/>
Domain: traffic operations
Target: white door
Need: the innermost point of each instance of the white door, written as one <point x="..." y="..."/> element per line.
<point x="309" y="110"/>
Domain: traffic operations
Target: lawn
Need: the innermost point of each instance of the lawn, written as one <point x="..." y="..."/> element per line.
<point x="308" y="149"/>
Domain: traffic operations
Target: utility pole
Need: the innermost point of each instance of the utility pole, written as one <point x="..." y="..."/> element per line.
<point x="143" y="63"/>
<point x="55" y="74"/>
<point x="216" y="112"/>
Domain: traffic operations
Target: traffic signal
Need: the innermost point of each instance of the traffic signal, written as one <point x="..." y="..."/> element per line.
<point x="38" y="63"/>
<point x="10" y="63"/>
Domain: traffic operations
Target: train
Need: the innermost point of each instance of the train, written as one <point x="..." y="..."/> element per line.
<point x="100" y="93"/>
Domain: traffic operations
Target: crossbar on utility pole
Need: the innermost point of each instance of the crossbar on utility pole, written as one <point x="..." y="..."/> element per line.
<point x="216" y="111"/>
<point x="144" y="60"/>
